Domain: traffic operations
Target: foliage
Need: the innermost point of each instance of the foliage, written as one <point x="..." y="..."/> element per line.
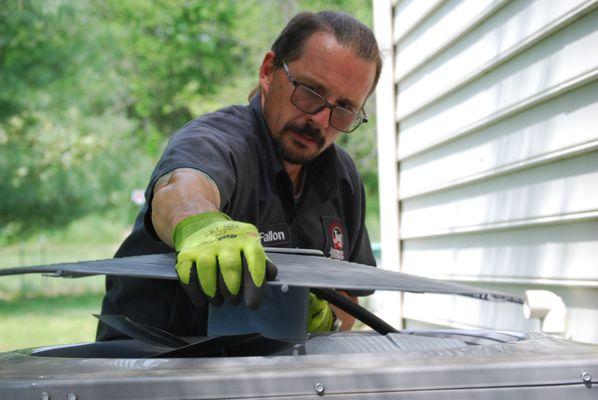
<point x="85" y="85"/>
<point x="171" y="51"/>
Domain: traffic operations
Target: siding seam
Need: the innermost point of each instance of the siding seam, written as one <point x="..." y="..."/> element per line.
<point x="480" y="18"/>
<point x="505" y="169"/>
<point x="506" y="225"/>
<point x="498" y="60"/>
<point x="513" y="109"/>
<point x="418" y="22"/>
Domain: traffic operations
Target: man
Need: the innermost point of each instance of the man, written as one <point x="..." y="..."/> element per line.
<point x="264" y="174"/>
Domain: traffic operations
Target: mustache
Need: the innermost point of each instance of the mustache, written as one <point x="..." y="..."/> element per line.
<point x="308" y="131"/>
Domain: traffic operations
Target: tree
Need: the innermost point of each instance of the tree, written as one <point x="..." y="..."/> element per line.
<point x="85" y="85"/>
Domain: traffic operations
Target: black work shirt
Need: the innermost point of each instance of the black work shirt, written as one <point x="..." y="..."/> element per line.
<point x="234" y="148"/>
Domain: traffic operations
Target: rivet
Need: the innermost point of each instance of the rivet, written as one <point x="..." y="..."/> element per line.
<point x="586" y="377"/>
<point x="284" y="288"/>
<point x="44" y="396"/>
<point x="319" y="388"/>
<point x="71" y="396"/>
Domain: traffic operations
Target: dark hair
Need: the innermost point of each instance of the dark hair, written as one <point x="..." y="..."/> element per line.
<point x="346" y="29"/>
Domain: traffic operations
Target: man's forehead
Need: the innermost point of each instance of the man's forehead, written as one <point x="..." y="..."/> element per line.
<point x="334" y="69"/>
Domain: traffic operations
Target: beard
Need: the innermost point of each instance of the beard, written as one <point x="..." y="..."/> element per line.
<point x="293" y="151"/>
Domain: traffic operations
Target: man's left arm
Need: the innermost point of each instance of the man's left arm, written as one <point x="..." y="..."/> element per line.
<point x="347" y="321"/>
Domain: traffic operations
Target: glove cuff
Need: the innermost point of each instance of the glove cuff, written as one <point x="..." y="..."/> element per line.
<point x="192" y="224"/>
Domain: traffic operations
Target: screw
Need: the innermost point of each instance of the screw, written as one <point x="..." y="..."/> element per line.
<point x="284" y="288"/>
<point x="71" y="396"/>
<point x="586" y="377"/>
<point x="44" y="396"/>
<point x="319" y="388"/>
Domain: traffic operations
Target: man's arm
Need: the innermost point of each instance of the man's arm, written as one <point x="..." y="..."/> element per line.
<point x="347" y="320"/>
<point x="216" y="256"/>
<point x="180" y="194"/>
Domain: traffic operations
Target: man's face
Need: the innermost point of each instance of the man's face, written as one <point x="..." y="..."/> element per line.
<point x="333" y="71"/>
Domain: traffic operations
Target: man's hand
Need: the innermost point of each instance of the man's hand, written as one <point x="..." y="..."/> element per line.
<point x="320" y="318"/>
<point x="219" y="257"/>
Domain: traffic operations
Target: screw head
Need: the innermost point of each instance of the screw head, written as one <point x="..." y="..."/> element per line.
<point x="319" y="388"/>
<point x="586" y="377"/>
<point x="44" y="396"/>
<point x="71" y="396"/>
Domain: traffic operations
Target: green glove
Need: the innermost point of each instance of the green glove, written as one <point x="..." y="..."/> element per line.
<point x="220" y="258"/>
<point x="320" y="318"/>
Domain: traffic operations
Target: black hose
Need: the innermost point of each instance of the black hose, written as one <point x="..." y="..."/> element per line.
<point x="354" y="309"/>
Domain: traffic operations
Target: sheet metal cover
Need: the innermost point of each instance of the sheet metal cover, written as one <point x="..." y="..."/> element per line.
<point x="293" y="270"/>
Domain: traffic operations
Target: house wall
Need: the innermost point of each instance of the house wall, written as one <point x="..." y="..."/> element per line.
<point x="489" y="163"/>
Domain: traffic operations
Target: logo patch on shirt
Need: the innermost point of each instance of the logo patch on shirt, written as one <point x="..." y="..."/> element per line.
<point x="336" y="238"/>
<point x="276" y="235"/>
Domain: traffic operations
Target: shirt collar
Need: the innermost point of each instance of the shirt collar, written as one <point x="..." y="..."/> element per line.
<point x="331" y="167"/>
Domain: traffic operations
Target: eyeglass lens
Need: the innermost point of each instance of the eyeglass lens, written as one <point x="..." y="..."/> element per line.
<point x="310" y="102"/>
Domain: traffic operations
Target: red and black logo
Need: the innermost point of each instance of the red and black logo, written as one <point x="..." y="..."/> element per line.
<point x="336" y="238"/>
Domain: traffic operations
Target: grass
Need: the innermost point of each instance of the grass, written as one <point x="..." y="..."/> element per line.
<point x="32" y="285"/>
<point x="91" y="238"/>
<point x="37" y="310"/>
<point x="47" y="321"/>
<point x="32" y="253"/>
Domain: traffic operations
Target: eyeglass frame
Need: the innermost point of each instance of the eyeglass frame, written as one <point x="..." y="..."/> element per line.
<point x="362" y="118"/>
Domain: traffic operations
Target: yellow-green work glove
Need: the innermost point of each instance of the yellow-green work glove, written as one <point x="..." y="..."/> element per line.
<point x="220" y="258"/>
<point x="320" y="318"/>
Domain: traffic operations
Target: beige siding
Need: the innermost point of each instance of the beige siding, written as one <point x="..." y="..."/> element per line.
<point x="496" y="152"/>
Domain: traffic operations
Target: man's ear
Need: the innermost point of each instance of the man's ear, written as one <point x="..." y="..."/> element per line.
<point x="267" y="71"/>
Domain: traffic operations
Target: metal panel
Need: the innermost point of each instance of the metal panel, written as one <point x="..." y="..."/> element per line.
<point x="529" y="138"/>
<point x="539" y="367"/>
<point x="513" y="29"/>
<point x="294" y="270"/>
<point x="561" y="60"/>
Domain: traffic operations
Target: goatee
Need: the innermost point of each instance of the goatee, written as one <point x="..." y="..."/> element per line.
<point x="292" y="156"/>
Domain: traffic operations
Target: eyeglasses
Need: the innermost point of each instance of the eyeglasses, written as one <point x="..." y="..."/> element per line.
<point x="310" y="102"/>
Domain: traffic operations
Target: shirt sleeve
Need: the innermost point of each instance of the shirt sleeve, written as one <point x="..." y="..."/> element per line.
<point x="203" y="147"/>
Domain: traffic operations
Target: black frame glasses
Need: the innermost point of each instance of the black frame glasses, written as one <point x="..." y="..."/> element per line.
<point x="311" y="102"/>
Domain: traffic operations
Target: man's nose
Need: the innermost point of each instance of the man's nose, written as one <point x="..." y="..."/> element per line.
<point x="321" y="119"/>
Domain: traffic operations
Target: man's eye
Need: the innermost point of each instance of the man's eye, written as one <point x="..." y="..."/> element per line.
<point x="313" y="89"/>
<point x="346" y="107"/>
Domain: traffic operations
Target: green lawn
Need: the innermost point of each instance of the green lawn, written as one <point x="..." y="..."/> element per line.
<point x="37" y="310"/>
<point x="91" y="238"/>
<point x="36" y="285"/>
<point x="46" y="321"/>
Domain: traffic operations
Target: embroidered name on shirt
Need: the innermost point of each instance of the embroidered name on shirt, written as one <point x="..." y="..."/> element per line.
<point x="274" y="235"/>
<point x="271" y="236"/>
